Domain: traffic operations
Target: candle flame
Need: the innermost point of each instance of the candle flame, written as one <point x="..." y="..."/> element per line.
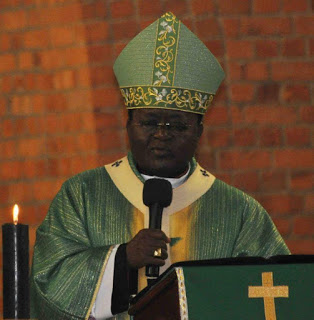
<point x="15" y="214"/>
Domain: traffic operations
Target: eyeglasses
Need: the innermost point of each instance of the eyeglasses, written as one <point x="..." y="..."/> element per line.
<point x="151" y="126"/>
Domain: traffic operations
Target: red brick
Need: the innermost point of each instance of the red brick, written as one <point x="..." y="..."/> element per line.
<point x="51" y="59"/>
<point x="270" y="115"/>
<point x="36" y="39"/>
<point x="61" y="36"/>
<point x="287" y="204"/>
<point x="45" y="81"/>
<point x="283" y="225"/>
<point x="38" y="104"/>
<point x="78" y="100"/>
<point x="270" y="137"/>
<point x="244" y="159"/>
<point x="268" y="92"/>
<point x="273" y="180"/>
<point x="243" y="92"/>
<point x="21" y="105"/>
<point x="99" y="53"/>
<point x="26" y="60"/>
<point x="305" y="25"/>
<point x="303" y="225"/>
<point x="32" y="147"/>
<point x="13" y="20"/>
<point x="231" y="27"/>
<point x="295" y="5"/>
<point x="239" y="49"/>
<point x="218" y="137"/>
<point x="121" y="9"/>
<point x="57" y="15"/>
<point x="246" y="181"/>
<point x="102" y="120"/>
<point x="10" y="170"/>
<point x="227" y="7"/>
<point x="154" y="8"/>
<point x="35" y="169"/>
<point x="45" y="190"/>
<point x="206" y="29"/>
<point x="266" y="48"/>
<point x="7" y="62"/>
<point x="309" y="203"/>
<point x="236" y="70"/>
<point x="293" y="93"/>
<point x="94" y="10"/>
<point x="61" y="145"/>
<point x="101" y="75"/>
<point x="266" y="6"/>
<point x="145" y="22"/>
<point x="8" y="128"/>
<point x="86" y="139"/>
<point x="63" y="79"/>
<point x="5" y="42"/>
<point x="20" y="192"/>
<point x="206" y="159"/>
<point x="97" y="31"/>
<point x="202" y="7"/>
<point x="216" y="47"/>
<point x="56" y="103"/>
<point x="216" y="116"/>
<point x="110" y="140"/>
<point x="294" y="158"/>
<point x="302" y="180"/>
<point x="311" y="46"/>
<point x="124" y="30"/>
<point x="301" y="246"/>
<point x="244" y="136"/>
<point x="106" y="97"/>
<point x="257" y="26"/>
<point x="293" y="47"/>
<point x="178" y="7"/>
<point x="307" y="114"/>
<point x="77" y="56"/>
<point x="8" y="149"/>
<point x="3" y="106"/>
<point x="17" y="41"/>
<point x="298" y="136"/>
<point x="256" y="71"/>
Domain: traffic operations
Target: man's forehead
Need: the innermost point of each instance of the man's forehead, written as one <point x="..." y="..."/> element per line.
<point x="162" y="113"/>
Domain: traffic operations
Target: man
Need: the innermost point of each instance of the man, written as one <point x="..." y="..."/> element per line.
<point x="95" y="237"/>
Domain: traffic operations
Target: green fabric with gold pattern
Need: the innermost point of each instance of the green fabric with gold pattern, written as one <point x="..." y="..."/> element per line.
<point x="166" y="66"/>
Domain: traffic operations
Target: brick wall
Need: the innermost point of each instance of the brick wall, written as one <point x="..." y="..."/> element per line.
<point x="61" y="112"/>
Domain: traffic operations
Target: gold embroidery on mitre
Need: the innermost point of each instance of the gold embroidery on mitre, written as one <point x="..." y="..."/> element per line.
<point x="268" y="292"/>
<point x="166" y="50"/>
<point x="167" y="97"/>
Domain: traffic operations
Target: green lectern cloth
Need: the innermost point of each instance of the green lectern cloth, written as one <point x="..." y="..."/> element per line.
<point x="259" y="292"/>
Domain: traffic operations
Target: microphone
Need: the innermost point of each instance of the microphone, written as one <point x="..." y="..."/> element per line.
<point x="157" y="194"/>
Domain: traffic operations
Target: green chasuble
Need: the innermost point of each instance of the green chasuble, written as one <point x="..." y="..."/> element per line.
<point x="100" y="208"/>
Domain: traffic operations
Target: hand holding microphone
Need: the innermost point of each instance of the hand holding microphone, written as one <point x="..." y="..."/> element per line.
<point x="144" y="248"/>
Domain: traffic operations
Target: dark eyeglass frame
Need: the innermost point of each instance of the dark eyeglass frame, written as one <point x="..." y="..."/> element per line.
<point x="152" y="126"/>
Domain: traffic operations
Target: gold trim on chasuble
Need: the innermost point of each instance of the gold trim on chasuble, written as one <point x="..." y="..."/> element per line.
<point x="98" y="283"/>
<point x="162" y="92"/>
<point x="131" y="187"/>
<point x="182" y="295"/>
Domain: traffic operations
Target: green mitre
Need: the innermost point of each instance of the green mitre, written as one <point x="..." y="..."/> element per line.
<point x="166" y="66"/>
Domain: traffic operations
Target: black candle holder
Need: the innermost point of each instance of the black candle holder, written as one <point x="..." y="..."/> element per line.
<point x="15" y="248"/>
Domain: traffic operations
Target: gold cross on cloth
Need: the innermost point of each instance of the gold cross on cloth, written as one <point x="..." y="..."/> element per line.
<point x="268" y="292"/>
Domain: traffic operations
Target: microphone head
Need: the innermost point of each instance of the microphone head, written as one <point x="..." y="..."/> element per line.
<point x="157" y="191"/>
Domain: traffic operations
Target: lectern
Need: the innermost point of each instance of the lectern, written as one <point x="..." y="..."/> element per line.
<point x="278" y="288"/>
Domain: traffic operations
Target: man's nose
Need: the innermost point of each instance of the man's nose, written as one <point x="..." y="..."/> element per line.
<point x="162" y="131"/>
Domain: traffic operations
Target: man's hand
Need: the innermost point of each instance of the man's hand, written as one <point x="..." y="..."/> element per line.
<point x="140" y="250"/>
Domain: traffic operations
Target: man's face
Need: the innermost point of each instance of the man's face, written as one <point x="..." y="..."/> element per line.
<point x="163" y="150"/>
